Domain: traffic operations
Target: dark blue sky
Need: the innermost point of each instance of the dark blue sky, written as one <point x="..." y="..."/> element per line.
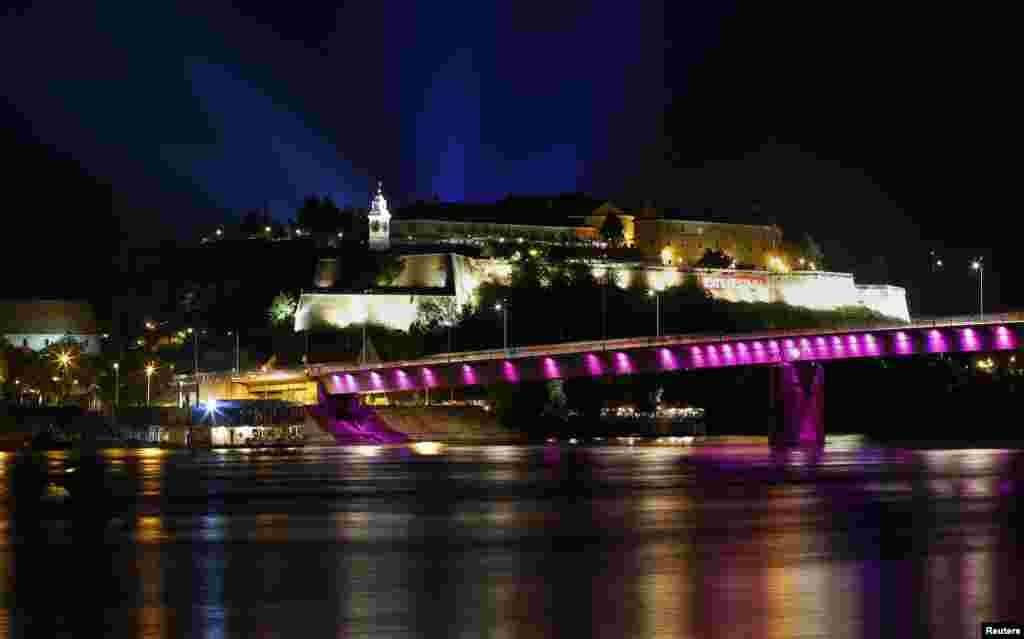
<point x="880" y="129"/>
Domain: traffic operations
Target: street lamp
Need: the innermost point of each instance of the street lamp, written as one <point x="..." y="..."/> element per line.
<point x="117" y="384"/>
<point x="237" y="365"/>
<point x="503" y="307"/>
<point x="657" y="310"/>
<point x="979" y="266"/>
<point x="149" y="374"/>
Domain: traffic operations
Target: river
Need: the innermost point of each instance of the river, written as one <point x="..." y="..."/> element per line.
<point x="726" y="539"/>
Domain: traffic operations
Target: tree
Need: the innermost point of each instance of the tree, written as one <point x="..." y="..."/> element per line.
<point x="714" y="259"/>
<point x="282" y="309"/>
<point x="254" y="221"/>
<point x="319" y="215"/>
<point x="389" y="267"/>
<point x="436" y="312"/>
<point x="811" y="252"/>
<point x="612" y="230"/>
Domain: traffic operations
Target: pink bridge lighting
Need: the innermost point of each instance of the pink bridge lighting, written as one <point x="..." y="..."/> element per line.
<point x="1004" y="339"/>
<point x="622" y="364"/>
<point x="551" y="369"/>
<point x="937" y="342"/>
<point x="509" y="372"/>
<point x="646" y="354"/>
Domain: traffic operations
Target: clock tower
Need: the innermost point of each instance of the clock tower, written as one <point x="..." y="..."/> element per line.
<point x="380" y="221"/>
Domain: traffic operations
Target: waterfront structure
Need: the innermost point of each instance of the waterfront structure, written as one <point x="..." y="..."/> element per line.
<point x="36" y="324"/>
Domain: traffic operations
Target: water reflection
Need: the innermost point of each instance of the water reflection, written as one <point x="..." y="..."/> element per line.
<point x="722" y="540"/>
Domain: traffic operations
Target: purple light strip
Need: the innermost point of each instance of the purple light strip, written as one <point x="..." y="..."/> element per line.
<point x="623" y="365"/>
<point x="820" y="347"/>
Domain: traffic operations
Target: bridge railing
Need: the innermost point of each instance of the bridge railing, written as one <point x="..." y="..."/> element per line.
<point x="515" y="352"/>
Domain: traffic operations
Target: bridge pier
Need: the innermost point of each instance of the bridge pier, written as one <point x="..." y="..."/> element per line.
<point x="349" y="421"/>
<point x="798" y="402"/>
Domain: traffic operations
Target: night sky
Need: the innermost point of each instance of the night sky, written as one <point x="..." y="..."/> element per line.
<point x="884" y="132"/>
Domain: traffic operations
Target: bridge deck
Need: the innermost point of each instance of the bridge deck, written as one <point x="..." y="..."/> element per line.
<point x="513" y="353"/>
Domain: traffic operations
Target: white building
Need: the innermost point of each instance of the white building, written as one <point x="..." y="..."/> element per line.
<point x="36" y="324"/>
<point x="456" y="277"/>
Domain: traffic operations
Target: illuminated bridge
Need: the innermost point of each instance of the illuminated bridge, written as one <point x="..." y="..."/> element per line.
<point x="796" y="354"/>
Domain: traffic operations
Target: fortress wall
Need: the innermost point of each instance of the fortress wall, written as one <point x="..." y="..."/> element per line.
<point x="424" y="271"/>
<point x="810" y="289"/>
<point x="820" y="291"/>
<point x="394" y="311"/>
<point x="888" y="300"/>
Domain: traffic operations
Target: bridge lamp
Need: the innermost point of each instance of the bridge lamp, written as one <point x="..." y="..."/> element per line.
<point x="979" y="266"/>
<point x="149" y="374"/>
<point x="502" y="307"/>
<point x="657" y="310"/>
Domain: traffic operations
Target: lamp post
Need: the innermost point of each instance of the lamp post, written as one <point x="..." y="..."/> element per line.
<point x="237" y="364"/>
<point x="149" y="375"/>
<point x="503" y="307"/>
<point x="978" y="265"/>
<point x="64" y="360"/>
<point x="117" y="383"/>
<point x="657" y="310"/>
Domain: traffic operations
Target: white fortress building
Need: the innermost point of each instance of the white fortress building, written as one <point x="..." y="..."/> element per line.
<point x="458" y="276"/>
<point x="665" y="249"/>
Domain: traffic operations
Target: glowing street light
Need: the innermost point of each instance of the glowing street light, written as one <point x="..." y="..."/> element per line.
<point x="502" y="307"/>
<point x="117" y="384"/>
<point x="979" y="266"/>
<point x="657" y="310"/>
<point x="149" y="374"/>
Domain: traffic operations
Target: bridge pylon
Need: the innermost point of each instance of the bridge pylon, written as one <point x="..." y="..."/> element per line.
<point x="798" y="399"/>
